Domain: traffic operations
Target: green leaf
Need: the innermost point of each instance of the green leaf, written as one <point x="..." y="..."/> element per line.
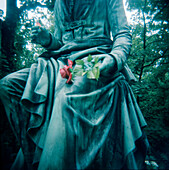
<point x="90" y="75"/>
<point x="84" y="73"/>
<point x="79" y="62"/>
<point x="89" y="59"/>
<point x="96" y="60"/>
<point x="90" y="68"/>
<point x="71" y="70"/>
<point x="79" y="73"/>
<point x="96" y="72"/>
<point x="77" y="68"/>
<point x="97" y="64"/>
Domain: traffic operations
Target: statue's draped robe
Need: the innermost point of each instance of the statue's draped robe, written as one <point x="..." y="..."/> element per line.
<point x="86" y="124"/>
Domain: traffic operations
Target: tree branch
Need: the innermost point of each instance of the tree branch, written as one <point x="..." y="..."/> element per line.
<point x="156" y="59"/>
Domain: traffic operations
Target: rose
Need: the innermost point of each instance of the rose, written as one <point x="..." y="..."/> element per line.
<point x="65" y="71"/>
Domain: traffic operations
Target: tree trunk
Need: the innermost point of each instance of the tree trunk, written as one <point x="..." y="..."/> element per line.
<point x="8" y="33"/>
<point x="144" y="42"/>
<point x="7" y="53"/>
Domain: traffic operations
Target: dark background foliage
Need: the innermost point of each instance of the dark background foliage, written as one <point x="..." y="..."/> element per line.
<point x="149" y="60"/>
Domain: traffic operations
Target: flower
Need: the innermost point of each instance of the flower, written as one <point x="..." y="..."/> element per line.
<point x="70" y="63"/>
<point x="38" y="24"/>
<point x="65" y="71"/>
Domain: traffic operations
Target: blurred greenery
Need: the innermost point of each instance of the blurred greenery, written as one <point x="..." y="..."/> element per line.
<point x="149" y="60"/>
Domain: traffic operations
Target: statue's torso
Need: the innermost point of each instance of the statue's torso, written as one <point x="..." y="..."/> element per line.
<point x="82" y="19"/>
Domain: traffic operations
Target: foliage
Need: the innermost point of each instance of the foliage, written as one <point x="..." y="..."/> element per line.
<point x="149" y="60"/>
<point x="26" y="52"/>
<point x="90" y="67"/>
<point x="17" y="50"/>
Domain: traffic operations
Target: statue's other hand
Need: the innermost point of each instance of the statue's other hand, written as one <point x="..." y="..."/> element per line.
<point x="40" y="36"/>
<point x="108" y="65"/>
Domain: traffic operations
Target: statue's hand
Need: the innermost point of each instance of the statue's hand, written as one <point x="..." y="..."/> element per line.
<point x="108" y="65"/>
<point x="40" y="36"/>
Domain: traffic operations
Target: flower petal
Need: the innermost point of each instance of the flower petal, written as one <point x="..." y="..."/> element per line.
<point x="63" y="73"/>
<point x="70" y="63"/>
<point x="69" y="79"/>
<point x="38" y="24"/>
<point x="66" y="68"/>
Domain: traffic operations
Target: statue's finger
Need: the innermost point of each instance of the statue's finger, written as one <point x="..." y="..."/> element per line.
<point x="35" y="27"/>
<point x="34" y="35"/>
<point x="34" y="32"/>
<point x="102" y="66"/>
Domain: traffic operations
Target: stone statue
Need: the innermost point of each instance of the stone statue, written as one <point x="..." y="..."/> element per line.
<point x="84" y="123"/>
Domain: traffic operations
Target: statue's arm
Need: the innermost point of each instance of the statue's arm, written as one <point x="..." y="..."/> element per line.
<point x="120" y="30"/>
<point x="53" y="44"/>
<point x="55" y="39"/>
<point x="49" y="41"/>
